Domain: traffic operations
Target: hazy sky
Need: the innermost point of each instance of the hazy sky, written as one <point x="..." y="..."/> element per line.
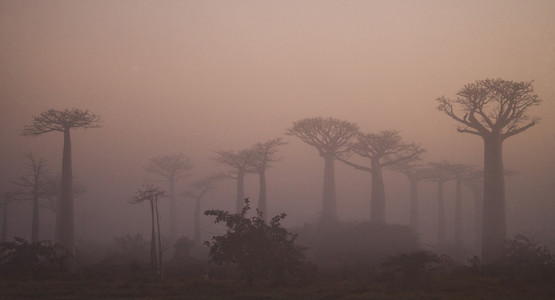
<point x="201" y="76"/>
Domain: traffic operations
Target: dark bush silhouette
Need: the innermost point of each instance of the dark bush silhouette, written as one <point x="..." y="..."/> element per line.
<point x="40" y="260"/>
<point x="260" y="250"/>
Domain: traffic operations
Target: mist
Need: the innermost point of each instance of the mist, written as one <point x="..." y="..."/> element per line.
<point x="197" y="77"/>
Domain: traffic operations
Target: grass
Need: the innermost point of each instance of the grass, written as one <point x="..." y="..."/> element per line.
<point x="460" y="287"/>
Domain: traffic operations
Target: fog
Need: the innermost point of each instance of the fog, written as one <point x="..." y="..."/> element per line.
<point x="202" y="76"/>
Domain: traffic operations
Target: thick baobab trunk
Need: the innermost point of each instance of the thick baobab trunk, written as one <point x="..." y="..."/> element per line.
<point x="35" y="221"/>
<point x="4" y="235"/>
<point x="240" y="201"/>
<point x="66" y="229"/>
<point x="414" y="216"/>
<point x="329" y="205"/>
<point x="197" y="221"/>
<point x="262" y="195"/>
<point x="377" y="200"/>
<point x="173" y="221"/>
<point x="440" y="215"/>
<point x="458" y="216"/>
<point x="494" y="223"/>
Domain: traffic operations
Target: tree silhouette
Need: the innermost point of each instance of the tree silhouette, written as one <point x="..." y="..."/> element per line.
<point x="460" y="173"/>
<point x="63" y="121"/>
<point x="331" y="137"/>
<point x="241" y="163"/>
<point x="51" y="194"/>
<point x="6" y="198"/>
<point x="170" y="168"/>
<point x="151" y="194"/>
<point x="414" y="174"/>
<point x="263" y="155"/>
<point x="33" y="184"/>
<point x="197" y="190"/>
<point x="440" y="172"/>
<point x="495" y="110"/>
<point x="383" y="149"/>
<point x="475" y="181"/>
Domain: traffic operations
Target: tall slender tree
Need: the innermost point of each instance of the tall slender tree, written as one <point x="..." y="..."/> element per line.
<point x="197" y="190"/>
<point x="493" y="109"/>
<point x="33" y="184"/>
<point x="241" y="163"/>
<point x="332" y="138"/>
<point x="264" y="154"/>
<point x="63" y="121"/>
<point x="152" y="194"/>
<point x="415" y="174"/>
<point x="475" y="182"/>
<point x="440" y="172"/>
<point x="383" y="149"/>
<point x="170" y="168"/>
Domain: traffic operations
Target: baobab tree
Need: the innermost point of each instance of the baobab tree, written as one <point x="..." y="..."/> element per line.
<point x="440" y="172"/>
<point x="170" y="168"/>
<point x="6" y="198"/>
<point x="460" y="173"/>
<point x="151" y="194"/>
<point x="33" y="184"/>
<point x="383" y="149"/>
<point x="332" y="138"/>
<point x="475" y="182"/>
<point x="63" y="121"/>
<point x="414" y="173"/>
<point x="494" y="109"/>
<point x="263" y="155"/>
<point x="241" y="163"/>
<point x="51" y="194"/>
<point x="197" y="190"/>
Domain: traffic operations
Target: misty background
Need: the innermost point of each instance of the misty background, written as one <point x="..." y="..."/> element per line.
<point x="201" y="76"/>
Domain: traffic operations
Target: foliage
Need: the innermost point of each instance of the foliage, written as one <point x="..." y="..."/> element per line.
<point x="414" y="268"/>
<point x="134" y="247"/>
<point x="525" y="257"/>
<point x="260" y="250"/>
<point x="33" y="260"/>
<point x="60" y="120"/>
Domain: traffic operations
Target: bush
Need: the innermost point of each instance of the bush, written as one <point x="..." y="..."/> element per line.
<point x="21" y="259"/>
<point x="260" y="250"/>
<point x="523" y="257"/>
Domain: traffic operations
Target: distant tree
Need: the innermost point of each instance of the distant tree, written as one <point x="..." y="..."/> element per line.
<point x="494" y="109"/>
<point x="32" y="184"/>
<point x="51" y="194"/>
<point x="197" y="190"/>
<point x="6" y="198"/>
<point x="383" y="149"/>
<point x="460" y="173"/>
<point x="475" y="182"/>
<point x="242" y="163"/>
<point x="264" y="154"/>
<point x="151" y="194"/>
<point x="440" y="172"/>
<point x="415" y="174"/>
<point x="170" y="168"/>
<point x="332" y="138"/>
<point x="63" y="121"/>
<point x="261" y="250"/>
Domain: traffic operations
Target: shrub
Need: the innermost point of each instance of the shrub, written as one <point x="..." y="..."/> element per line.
<point x="38" y="260"/>
<point x="260" y="250"/>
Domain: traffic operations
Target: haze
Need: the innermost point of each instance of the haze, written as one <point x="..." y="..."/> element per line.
<point x="201" y="76"/>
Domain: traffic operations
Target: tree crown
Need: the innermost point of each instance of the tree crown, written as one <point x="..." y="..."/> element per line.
<point x="492" y="107"/>
<point x="61" y="120"/>
<point x="328" y="135"/>
<point x="170" y="166"/>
